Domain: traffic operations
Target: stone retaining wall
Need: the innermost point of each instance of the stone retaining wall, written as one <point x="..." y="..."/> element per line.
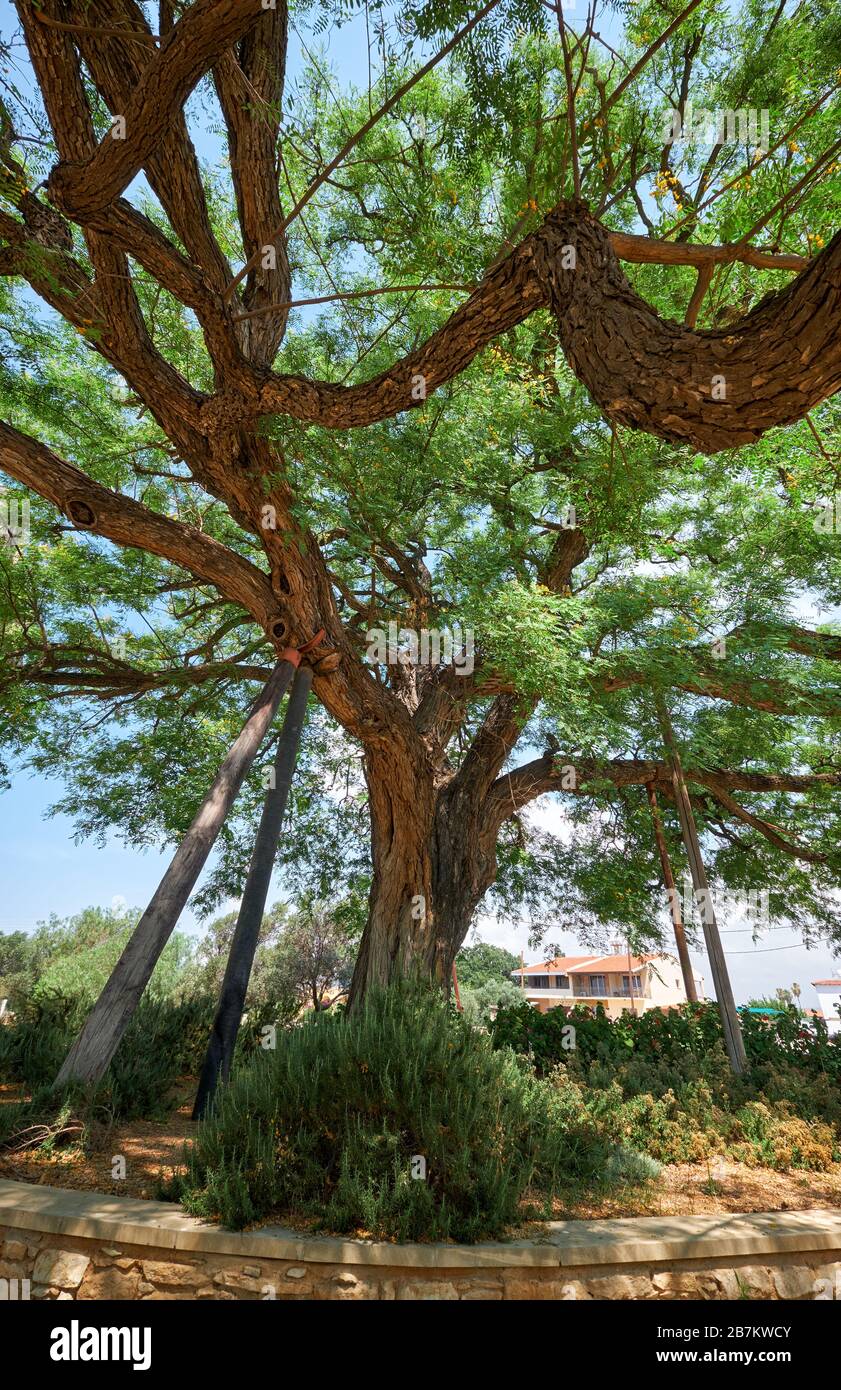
<point x="75" y="1245"/>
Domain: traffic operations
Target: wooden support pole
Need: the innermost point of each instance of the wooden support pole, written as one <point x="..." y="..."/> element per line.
<point x="455" y="987"/>
<point x="723" y="991"/>
<point x="104" y="1027"/>
<point x="223" y="1037"/>
<point x="674" y="903"/>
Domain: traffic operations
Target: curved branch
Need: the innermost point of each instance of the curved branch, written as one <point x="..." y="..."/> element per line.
<point x="738" y="688"/>
<point x="119" y="332"/>
<point x="117" y="66"/>
<point x="129" y="523"/>
<point x="138" y="237"/>
<point x="514" y="790"/>
<point x="713" y="389"/>
<point x="189" y="50"/>
<point x="823" y="646"/>
<point x="771" y="832"/>
<point x="120" y="678"/>
<point x="250" y="90"/>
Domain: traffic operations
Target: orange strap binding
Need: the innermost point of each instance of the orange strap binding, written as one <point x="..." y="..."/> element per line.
<point x="293" y="654"/>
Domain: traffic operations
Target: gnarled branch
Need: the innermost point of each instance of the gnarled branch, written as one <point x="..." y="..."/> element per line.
<point x="713" y="389"/>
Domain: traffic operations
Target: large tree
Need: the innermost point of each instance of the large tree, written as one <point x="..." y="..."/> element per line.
<point x="491" y="424"/>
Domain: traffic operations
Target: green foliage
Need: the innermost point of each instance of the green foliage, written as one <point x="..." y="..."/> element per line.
<point x="661" y="1082"/>
<point x="480" y="1004"/>
<point x="165" y="1040"/>
<point x="329" y="1123"/>
<point x="70" y="959"/>
<point x="468" y="490"/>
<point x="59" y="970"/>
<point x="667" y="1036"/>
<point x="483" y="963"/>
<point x="627" y="1165"/>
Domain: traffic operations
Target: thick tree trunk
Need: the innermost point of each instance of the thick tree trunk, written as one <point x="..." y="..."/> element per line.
<point x="433" y="862"/>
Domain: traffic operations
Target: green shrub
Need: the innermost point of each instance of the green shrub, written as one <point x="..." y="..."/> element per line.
<point x="660" y="1081"/>
<point x="670" y="1036"/>
<point x="164" y="1040"/>
<point x="328" y="1124"/>
<point x="627" y="1165"/>
<point x="687" y="1111"/>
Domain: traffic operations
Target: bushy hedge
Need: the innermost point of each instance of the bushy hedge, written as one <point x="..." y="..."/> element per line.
<point x="668" y="1035"/>
<point x="166" y="1039"/>
<point x="660" y="1082"/>
<point x="331" y="1123"/>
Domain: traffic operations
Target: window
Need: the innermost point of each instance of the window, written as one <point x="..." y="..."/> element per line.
<point x="562" y="982"/>
<point x="634" y="983"/>
<point x="537" y="981"/>
<point x="597" y="984"/>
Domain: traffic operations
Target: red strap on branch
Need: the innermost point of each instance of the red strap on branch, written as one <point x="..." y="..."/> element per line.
<point x="293" y="654"/>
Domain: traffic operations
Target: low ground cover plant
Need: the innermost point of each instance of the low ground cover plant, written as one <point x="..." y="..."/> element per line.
<point x="660" y="1081"/>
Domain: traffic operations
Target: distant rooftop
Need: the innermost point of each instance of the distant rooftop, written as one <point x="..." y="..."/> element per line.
<point x="571" y="965"/>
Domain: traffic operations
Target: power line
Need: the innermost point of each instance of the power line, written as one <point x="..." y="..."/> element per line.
<point x="765" y="949"/>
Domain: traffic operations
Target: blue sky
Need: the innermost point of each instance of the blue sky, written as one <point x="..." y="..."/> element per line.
<point x="44" y="871"/>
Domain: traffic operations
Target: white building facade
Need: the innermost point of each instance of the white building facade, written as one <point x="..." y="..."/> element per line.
<point x="829" y="997"/>
<point x="617" y="982"/>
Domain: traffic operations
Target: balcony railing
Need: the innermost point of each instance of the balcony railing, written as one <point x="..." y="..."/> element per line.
<point x="608" y="994"/>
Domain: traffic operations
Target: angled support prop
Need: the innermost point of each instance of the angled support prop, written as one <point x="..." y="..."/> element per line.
<point x="102" y="1032"/>
<point x="223" y="1037"/>
<point x="674" y="905"/>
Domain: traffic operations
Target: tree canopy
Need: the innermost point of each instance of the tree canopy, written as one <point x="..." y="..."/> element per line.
<point x="615" y="468"/>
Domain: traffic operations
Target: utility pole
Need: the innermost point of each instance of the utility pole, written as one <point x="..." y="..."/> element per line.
<point x="723" y="991"/>
<point x="631" y="978"/>
<point x="223" y="1037"/>
<point x="674" y="903"/>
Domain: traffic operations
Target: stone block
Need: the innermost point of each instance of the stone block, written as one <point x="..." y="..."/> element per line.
<point x="796" y="1281"/>
<point x="573" y="1291"/>
<point x="63" y="1269"/>
<point x="687" y="1284"/>
<point x="624" y="1287"/>
<point x="242" y="1283"/>
<point x="541" y="1290"/>
<point x="110" y="1283"/>
<point x="347" y="1286"/>
<point x="168" y="1272"/>
<point x="727" y="1285"/>
<point x="426" y="1291"/>
<point x="755" y="1282"/>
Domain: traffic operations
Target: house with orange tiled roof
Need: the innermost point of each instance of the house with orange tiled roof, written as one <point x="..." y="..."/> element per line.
<point x="617" y="982"/>
<point x="829" y="996"/>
